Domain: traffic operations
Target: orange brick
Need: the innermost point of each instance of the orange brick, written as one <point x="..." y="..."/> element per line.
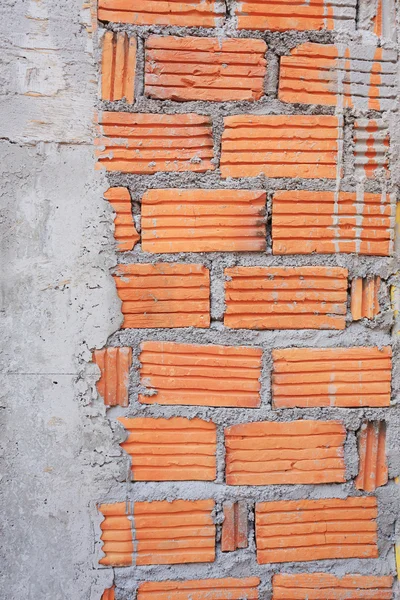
<point x="189" y="13"/>
<point x="300" y="452"/>
<point x="364" y="298"/>
<point x="200" y="375"/>
<point x="175" y="449"/>
<point x="200" y="589"/>
<point x="373" y="470"/>
<point x="355" y="76"/>
<point x="114" y="365"/>
<point x="303" y="146"/>
<point x="175" y="532"/>
<point x="296" y="14"/>
<point x="147" y="143"/>
<point x="304" y="586"/>
<point x="164" y="295"/>
<point x="328" y="222"/>
<point x="198" y="68"/>
<point x="199" y="220"/>
<point x="343" y="377"/>
<point x="305" y="530"/>
<point x="285" y="298"/>
<point x="384" y="18"/>
<point x="371" y="146"/>
<point x="109" y="594"/>
<point x="234" y="527"/>
<point x="118" y="67"/>
<point x="125" y="230"/>
<point x="116" y="535"/>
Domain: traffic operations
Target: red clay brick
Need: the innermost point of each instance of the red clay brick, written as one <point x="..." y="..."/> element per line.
<point x="109" y="594"/>
<point x="304" y="586"/>
<point x="305" y="530"/>
<point x="175" y="532"/>
<point x="125" y="231"/>
<point x="371" y="146"/>
<point x="285" y="298"/>
<point x="116" y="535"/>
<point x="199" y="220"/>
<point x="364" y="298"/>
<point x="200" y="589"/>
<point x="175" y="449"/>
<point x="234" y="527"/>
<point x="297" y="452"/>
<point x="328" y="222"/>
<point x="189" y="13"/>
<point x="147" y="143"/>
<point x="200" y="375"/>
<point x="343" y="377"/>
<point x="303" y="146"/>
<point x="114" y="365"/>
<point x="118" y="67"/>
<point x="164" y="295"/>
<point x="198" y="68"/>
<point x="373" y="470"/>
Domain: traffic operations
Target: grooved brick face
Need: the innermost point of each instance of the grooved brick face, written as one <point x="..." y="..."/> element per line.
<point x="320" y="586"/>
<point x="364" y="297"/>
<point x="125" y="233"/>
<point x="199" y="220"/>
<point x="303" y="146"/>
<point x="235" y="526"/>
<point x="200" y="589"/>
<point x="343" y="377"/>
<point x="109" y="594"/>
<point x="200" y="375"/>
<point x="285" y="297"/>
<point x="147" y="143"/>
<point x="298" y="452"/>
<point x="114" y="365"/>
<point x="328" y="222"/>
<point x="118" y="67"/>
<point x="194" y="68"/>
<point x="373" y="471"/>
<point x="175" y="449"/>
<point x="116" y="535"/>
<point x="371" y="145"/>
<point x="305" y="530"/>
<point x="164" y="295"/>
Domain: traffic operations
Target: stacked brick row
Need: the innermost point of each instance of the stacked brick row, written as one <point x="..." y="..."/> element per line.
<point x="248" y="183"/>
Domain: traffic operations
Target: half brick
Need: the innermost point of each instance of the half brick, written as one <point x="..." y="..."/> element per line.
<point x="205" y="375"/>
<point x="320" y="586"/>
<point x="305" y="530"/>
<point x="147" y="143"/>
<point x="373" y="470"/>
<point x="175" y="532"/>
<point x="343" y="377"/>
<point x="371" y="146"/>
<point x="125" y="233"/>
<point x="118" y="66"/>
<point x="235" y="526"/>
<point x="328" y="222"/>
<point x="114" y="365"/>
<point x="195" y="68"/>
<point x="285" y="298"/>
<point x="298" y="452"/>
<point x="116" y="535"/>
<point x="200" y="589"/>
<point x="304" y="146"/>
<point x="108" y="594"/>
<point x="175" y="449"/>
<point x="176" y="220"/>
<point x="364" y="297"/>
<point x="164" y="295"/>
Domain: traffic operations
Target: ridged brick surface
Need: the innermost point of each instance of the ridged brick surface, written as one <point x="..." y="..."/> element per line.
<point x="296" y="14"/>
<point x="125" y="233"/>
<point x="303" y="146"/>
<point x="164" y="295"/>
<point x="235" y="526"/>
<point x="147" y="143"/>
<point x="384" y="20"/>
<point x="323" y="586"/>
<point x="175" y="532"/>
<point x="114" y="365"/>
<point x="116" y="535"/>
<point x="203" y="221"/>
<point x="285" y="297"/>
<point x="364" y="297"/>
<point x="194" y="68"/>
<point x="192" y="13"/>
<point x="175" y="449"/>
<point x="200" y="375"/>
<point x="108" y="594"/>
<point x="200" y="589"/>
<point x="118" y="67"/>
<point x="353" y="76"/>
<point x="304" y="530"/>
<point x="343" y="377"/>
<point x="298" y="452"/>
<point x="304" y="222"/>
<point x="371" y="146"/>
<point x="373" y="470"/>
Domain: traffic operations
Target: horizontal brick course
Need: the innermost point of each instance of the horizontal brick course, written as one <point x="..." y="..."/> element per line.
<point x="114" y="365"/>
<point x="118" y="67"/>
<point x="200" y="589"/>
<point x="364" y="297"/>
<point x="116" y="535"/>
<point x="125" y="233"/>
<point x="371" y="146"/>
<point x="373" y="470"/>
<point x="321" y="586"/>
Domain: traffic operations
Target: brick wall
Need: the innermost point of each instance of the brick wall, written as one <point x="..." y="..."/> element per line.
<point x="251" y="168"/>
